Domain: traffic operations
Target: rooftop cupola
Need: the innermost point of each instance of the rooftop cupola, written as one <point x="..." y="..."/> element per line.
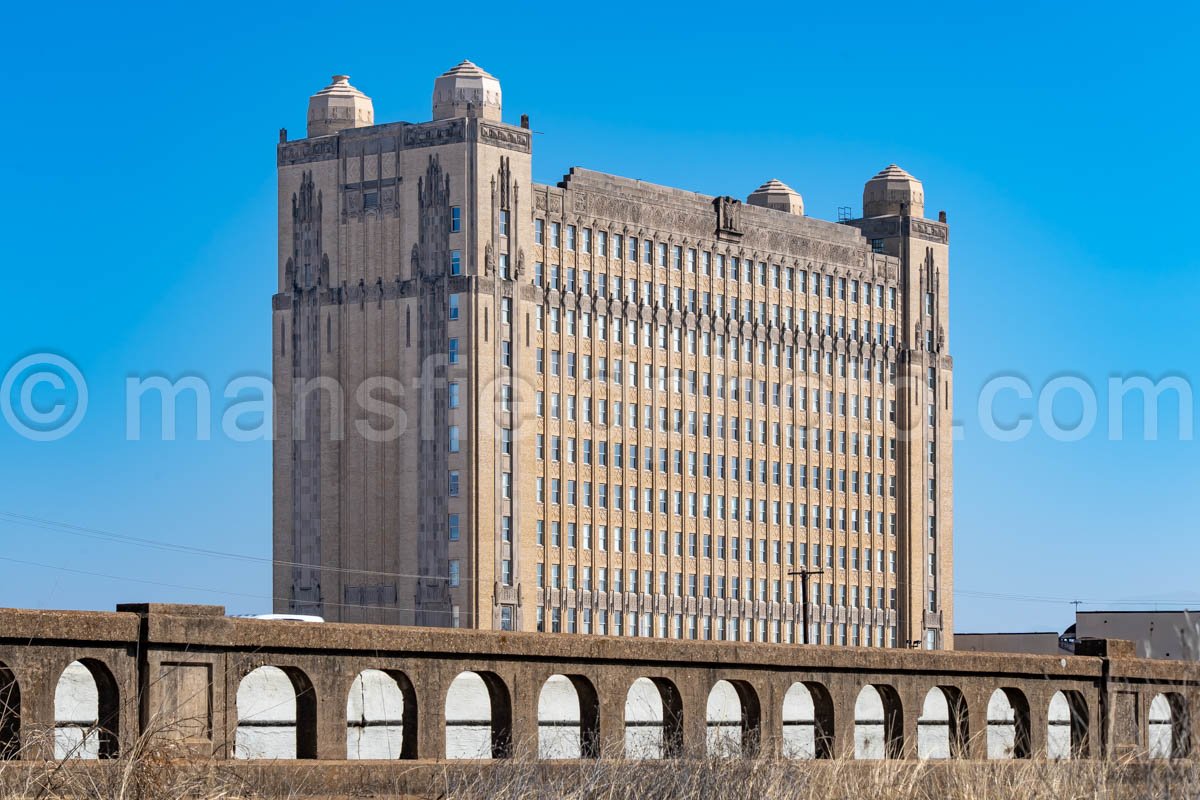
<point x="779" y="196"/>
<point x="339" y="106"/>
<point x="466" y="91"/>
<point x="893" y="192"/>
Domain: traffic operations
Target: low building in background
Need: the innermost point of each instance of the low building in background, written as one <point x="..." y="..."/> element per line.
<point x="1036" y="642"/>
<point x="1158" y="634"/>
<point x="1173" y="635"/>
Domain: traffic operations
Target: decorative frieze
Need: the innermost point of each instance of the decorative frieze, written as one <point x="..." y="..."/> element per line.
<point x="435" y="133"/>
<point x="308" y="150"/>
<point x="503" y="136"/>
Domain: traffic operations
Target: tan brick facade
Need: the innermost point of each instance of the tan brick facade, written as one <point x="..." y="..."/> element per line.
<point x="622" y="408"/>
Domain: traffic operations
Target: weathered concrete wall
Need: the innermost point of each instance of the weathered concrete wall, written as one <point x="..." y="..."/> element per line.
<point x="242" y="688"/>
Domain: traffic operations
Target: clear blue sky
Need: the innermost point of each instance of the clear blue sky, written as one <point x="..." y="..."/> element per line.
<point x="140" y="239"/>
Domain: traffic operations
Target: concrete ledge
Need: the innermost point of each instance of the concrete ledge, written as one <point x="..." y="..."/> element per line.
<point x="197" y="630"/>
<point x="19" y="625"/>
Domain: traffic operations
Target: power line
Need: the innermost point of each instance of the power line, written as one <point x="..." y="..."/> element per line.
<point x="186" y="587"/>
<point x="154" y="544"/>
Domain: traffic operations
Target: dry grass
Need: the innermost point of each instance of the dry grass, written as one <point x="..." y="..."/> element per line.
<point x="763" y="779"/>
<point x="158" y="767"/>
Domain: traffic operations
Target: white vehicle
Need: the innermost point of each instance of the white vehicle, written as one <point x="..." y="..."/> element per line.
<point x="283" y="617"/>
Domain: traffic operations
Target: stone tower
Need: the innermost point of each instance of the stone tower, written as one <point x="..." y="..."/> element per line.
<point x="601" y="406"/>
<point x="399" y="246"/>
<point x="894" y="223"/>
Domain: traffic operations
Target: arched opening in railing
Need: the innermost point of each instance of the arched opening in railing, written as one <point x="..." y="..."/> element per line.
<point x="653" y="719"/>
<point x="1008" y="724"/>
<point x="942" y="726"/>
<point x="381" y="716"/>
<point x="478" y="717"/>
<point x="10" y="715"/>
<point x="87" y="712"/>
<point x="276" y="715"/>
<point x="1067" y="726"/>
<point x="733" y="720"/>
<point x="1168" y="726"/>
<point x="807" y="721"/>
<point x="878" y="723"/>
<point x="568" y="718"/>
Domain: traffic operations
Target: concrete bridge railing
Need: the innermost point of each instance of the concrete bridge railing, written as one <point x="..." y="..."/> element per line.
<point x="241" y="688"/>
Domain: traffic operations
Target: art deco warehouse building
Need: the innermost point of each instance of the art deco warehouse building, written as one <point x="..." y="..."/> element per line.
<point x="602" y="406"/>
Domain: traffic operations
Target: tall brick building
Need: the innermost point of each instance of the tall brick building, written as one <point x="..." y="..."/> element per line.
<point x="602" y="406"/>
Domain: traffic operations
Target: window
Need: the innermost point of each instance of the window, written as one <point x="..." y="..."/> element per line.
<point x="453" y="488"/>
<point x="452" y="351"/>
<point x="454" y="306"/>
<point x="455" y="219"/>
<point x="455" y="572"/>
<point x="456" y="262"/>
<point x="539" y="231"/>
<point x="452" y="394"/>
<point x="504" y="223"/>
<point x="452" y="524"/>
<point x="453" y="439"/>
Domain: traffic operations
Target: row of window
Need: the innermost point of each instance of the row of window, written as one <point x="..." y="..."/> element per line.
<point x="662" y="626"/>
<point x="730" y="508"/>
<point x="781" y="474"/>
<point x="710" y="264"/>
<point x="626" y="412"/>
<point x="579" y="409"/>
<point x="827" y="324"/>
<point x="625" y="456"/>
<point x="714" y="586"/>
<point x="815" y="362"/>
<point x="781" y="553"/>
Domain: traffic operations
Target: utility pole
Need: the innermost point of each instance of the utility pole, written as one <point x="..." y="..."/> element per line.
<point x="804" y="574"/>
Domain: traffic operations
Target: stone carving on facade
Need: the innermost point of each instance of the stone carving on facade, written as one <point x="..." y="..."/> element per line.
<point x="506" y="137"/>
<point x="519" y="269"/>
<point x="729" y="216"/>
<point x="930" y="231"/>
<point x="643" y="218"/>
<point x="505" y="184"/>
<point x="433" y="196"/>
<point x="307" y="151"/>
<point x="427" y="135"/>
<point x="488" y="260"/>
<point x="308" y="269"/>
